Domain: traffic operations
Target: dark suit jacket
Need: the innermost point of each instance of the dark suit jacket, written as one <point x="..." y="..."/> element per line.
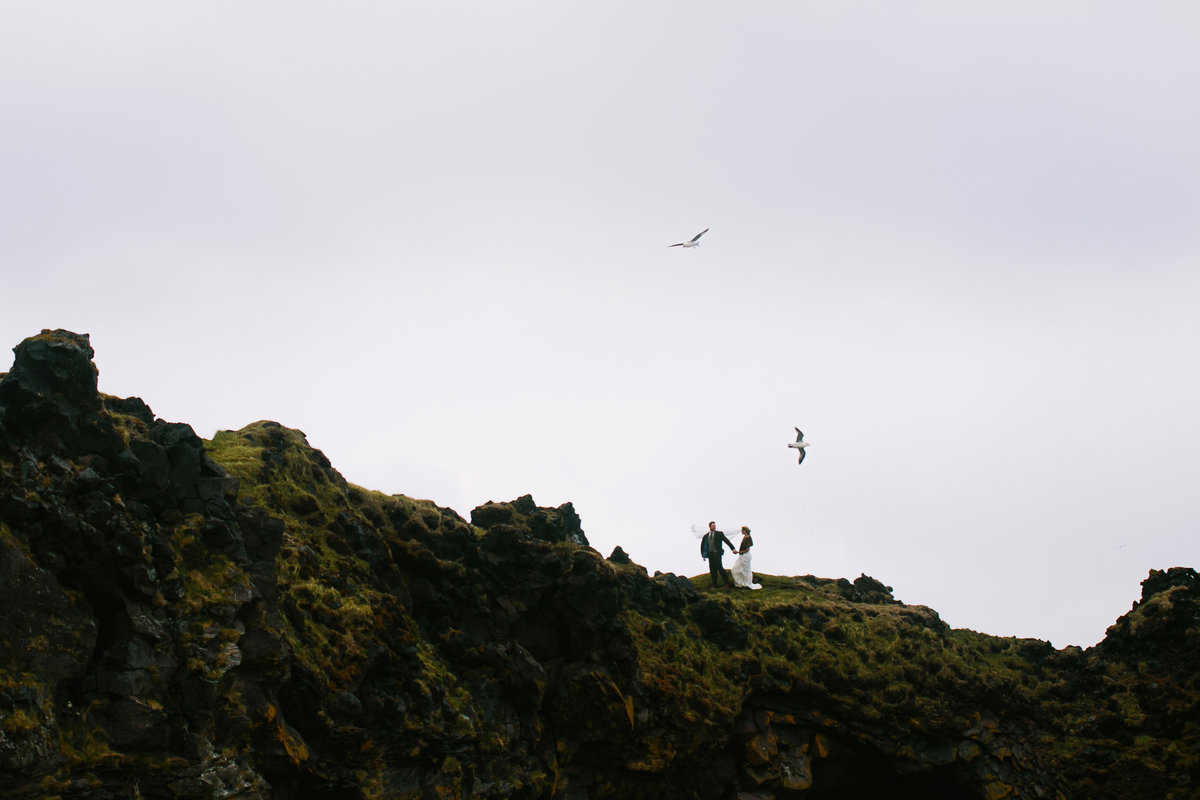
<point x="715" y="550"/>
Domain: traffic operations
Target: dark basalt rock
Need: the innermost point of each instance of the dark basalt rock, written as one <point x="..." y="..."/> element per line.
<point x="719" y="624"/>
<point x="560" y="524"/>
<point x="866" y="589"/>
<point x="50" y="393"/>
<point x="175" y="628"/>
<point x="619" y="556"/>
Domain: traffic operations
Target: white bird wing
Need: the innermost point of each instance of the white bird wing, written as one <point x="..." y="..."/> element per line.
<point x="696" y="238"/>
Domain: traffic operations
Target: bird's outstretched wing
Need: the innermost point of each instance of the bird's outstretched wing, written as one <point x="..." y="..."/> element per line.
<point x="802" y="452"/>
<point x="690" y="242"/>
<point x="799" y="435"/>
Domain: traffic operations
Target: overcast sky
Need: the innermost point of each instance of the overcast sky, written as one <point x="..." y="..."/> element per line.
<point x="956" y="243"/>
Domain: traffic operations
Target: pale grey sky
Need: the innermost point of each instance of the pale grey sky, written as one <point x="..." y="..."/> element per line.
<point x="955" y="243"/>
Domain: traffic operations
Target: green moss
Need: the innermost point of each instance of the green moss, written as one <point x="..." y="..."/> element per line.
<point x="335" y="607"/>
<point x="127" y="426"/>
<point x="8" y="539"/>
<point x="695" y="683"/>
<point x="241" y="455"/>
<point x="337" y="613"/>
<point x="871" y="662"/>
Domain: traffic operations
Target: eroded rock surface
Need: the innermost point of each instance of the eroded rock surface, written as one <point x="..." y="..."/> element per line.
<point x="184" y="618"/>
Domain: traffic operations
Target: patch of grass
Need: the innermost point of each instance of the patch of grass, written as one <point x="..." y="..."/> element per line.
<point x="241" y="455"/>
<point x="875" y="660"/>
<point x="677" y="661"/>
<point x="334" y="608"/>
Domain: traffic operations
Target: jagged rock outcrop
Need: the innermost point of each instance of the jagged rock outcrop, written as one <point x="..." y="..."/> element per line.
<point x="560" y="524"/>
<point x="232" y="619"/>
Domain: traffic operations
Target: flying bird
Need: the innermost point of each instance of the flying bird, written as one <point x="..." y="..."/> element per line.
<point x="799" y="444"/>
<point x="692" y="242"/>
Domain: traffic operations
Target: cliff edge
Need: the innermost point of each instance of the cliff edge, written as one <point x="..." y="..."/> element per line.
<point x="230" y="618"/>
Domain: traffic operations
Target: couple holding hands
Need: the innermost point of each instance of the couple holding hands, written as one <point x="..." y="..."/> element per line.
<point x="712" y="547"/>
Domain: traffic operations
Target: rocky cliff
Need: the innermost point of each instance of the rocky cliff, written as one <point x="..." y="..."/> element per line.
<point x="184" y="618"/>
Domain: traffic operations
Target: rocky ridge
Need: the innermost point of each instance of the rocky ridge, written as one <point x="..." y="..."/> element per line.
<point x="232" y="619"/>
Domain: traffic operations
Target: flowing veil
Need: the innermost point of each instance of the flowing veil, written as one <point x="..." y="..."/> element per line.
<point x="729" y="530"/>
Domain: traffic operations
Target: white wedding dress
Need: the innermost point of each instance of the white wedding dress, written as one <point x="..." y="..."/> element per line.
<point x="743" y="577"/>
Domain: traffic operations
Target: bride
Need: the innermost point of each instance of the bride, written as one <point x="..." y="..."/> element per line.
<point x="743" y="577"/>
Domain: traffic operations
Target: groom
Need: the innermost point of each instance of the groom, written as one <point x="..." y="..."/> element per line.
<point x="716" y="572"/>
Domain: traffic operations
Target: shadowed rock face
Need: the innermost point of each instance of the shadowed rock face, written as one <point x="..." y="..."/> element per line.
<point x="232" y="619"/>
<point x="50" y="394"/>
<point x="560" y="524"/>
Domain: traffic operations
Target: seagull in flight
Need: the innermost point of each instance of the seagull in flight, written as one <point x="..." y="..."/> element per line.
<point x="692" y="242"/>
<point x="799" y="444"/>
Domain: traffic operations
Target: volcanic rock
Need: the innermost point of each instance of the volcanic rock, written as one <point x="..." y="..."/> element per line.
<point x="204" y="620"/>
